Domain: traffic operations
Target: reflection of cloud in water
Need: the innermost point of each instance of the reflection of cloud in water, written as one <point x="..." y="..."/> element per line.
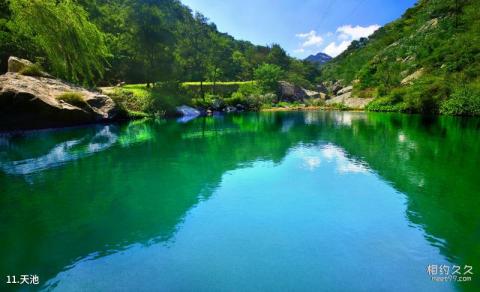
<point x="63" y="152"/>
<point x="312" y="158"/>
<point x="311" y="162"/>
<point x="344" y="164"/>
<point x="340" y="118"/>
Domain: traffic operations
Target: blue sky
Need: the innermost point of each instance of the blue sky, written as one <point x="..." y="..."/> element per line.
<point x="302" y="27"/>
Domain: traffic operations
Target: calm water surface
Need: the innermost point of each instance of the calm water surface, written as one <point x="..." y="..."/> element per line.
<point x="313" y="201"/>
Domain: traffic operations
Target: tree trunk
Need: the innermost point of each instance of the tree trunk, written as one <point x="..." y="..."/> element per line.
<point x="214" y="80"/>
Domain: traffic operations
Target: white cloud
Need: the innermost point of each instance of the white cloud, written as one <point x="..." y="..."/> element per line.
<point x="334" y="50"/>
<point x="345" y="35"/>
<point x="309" y="39"/>
<point x="357" y="32"/>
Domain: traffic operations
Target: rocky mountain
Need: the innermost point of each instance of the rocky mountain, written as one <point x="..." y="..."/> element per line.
<point x="427" y="61"/>
<point x="320" y="58"/>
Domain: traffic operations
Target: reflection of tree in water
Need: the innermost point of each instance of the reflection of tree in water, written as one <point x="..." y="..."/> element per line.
<point x="154" y="172"/>
<point x="434" y="162"/>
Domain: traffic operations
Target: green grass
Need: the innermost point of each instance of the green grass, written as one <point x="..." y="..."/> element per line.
<point x="73" y="98"/>
<point x="139" y="100"/>
<point x="217" y="83"/>
<point x="32" y="70"/>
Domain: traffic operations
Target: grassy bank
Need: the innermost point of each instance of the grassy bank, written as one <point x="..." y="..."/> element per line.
<point x="138" y="100"/>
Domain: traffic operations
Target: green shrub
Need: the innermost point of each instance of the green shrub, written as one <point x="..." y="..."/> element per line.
<point x="462" y="102"/>
<point x="34" y="70"/>
<point x="425" y="94"/>
<point x="315" y="102"/>
<point x="73" y="98"/>
<point x="247" y="89"/>
<point x="340" y="107"/>
<point x="386" y="104"/>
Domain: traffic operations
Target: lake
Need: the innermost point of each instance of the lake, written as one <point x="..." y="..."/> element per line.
<point x="286" y="201"/>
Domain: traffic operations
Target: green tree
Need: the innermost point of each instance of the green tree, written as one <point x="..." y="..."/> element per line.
<point x="219" y="57"/>
<point x="279" y="57"/>
<point x="193" y="49"/>
<point x="241" y="67"/>
<point x="268" y="75"/>
<point x="153" y="40"/>
<point x="74" y="47"/>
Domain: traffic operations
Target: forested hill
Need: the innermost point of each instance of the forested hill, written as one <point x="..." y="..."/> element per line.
<point x="136" y="41"/>
<point x="426" y="61"/>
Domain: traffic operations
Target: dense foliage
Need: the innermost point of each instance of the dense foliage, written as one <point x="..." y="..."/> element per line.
<point x="133" y="41"/>
<point x="427" y="61"/>
<point x="74" y="47"/>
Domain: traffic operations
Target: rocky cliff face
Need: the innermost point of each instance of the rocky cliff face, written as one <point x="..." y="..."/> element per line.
<point x="28" y="102"/>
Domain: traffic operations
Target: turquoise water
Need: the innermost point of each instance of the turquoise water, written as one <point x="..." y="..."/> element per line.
<point x="302" y="201"/>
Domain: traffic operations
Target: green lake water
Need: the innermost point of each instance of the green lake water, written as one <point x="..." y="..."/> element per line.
<point x="300" y="201"/>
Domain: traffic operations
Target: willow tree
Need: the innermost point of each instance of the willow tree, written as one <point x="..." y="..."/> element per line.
<point x="74" y="47"/>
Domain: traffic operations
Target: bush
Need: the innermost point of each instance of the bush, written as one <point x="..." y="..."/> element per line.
<point x="386" y="104"/>
<point x="462" y="102"/>
<point x="247" y="89"/>
<point x="73" y="98"/>
<point x="267" y="76"/>
<point x="425" y="95"/>
<point x="34" y="70"/>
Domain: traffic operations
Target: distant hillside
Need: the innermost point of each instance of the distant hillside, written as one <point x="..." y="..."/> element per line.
<point x="320" y="58"/>
<point x="427" y="61"/>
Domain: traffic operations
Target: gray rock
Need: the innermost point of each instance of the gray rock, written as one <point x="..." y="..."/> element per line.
<point x="345" y="90"/>
<point x="412" y="77"/>
<point x="349" y="101"/>
<point x="28" y="102"/>
<point x="240" y="107"/>
<point x="230" y="109"/>
<point x="322" y="88"/>
<point x="312" y="94"/>
<point x="290" y="92"/>
<point x="336" y="87"/>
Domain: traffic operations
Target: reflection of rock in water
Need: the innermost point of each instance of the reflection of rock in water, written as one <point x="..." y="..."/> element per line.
<point x="63" y="152"/>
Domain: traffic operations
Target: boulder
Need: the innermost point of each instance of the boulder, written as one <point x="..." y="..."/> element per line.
<point x="240" y="107"/>
<point x="312" y="94"/>
<point x="321" y="88"/>
<point x="290" y="92"/>
<point x="336" y="87"/>
<point x="230" y="109"/>
<point x="16" y="65"/>
<point x="324" y="96"/>
<point x="345" y="90"/>
<point x="28" y="102"/>
<point x="349" y="101"/>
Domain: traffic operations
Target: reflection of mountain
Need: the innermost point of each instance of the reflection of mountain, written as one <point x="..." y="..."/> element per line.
<point x="140" y="188"/>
